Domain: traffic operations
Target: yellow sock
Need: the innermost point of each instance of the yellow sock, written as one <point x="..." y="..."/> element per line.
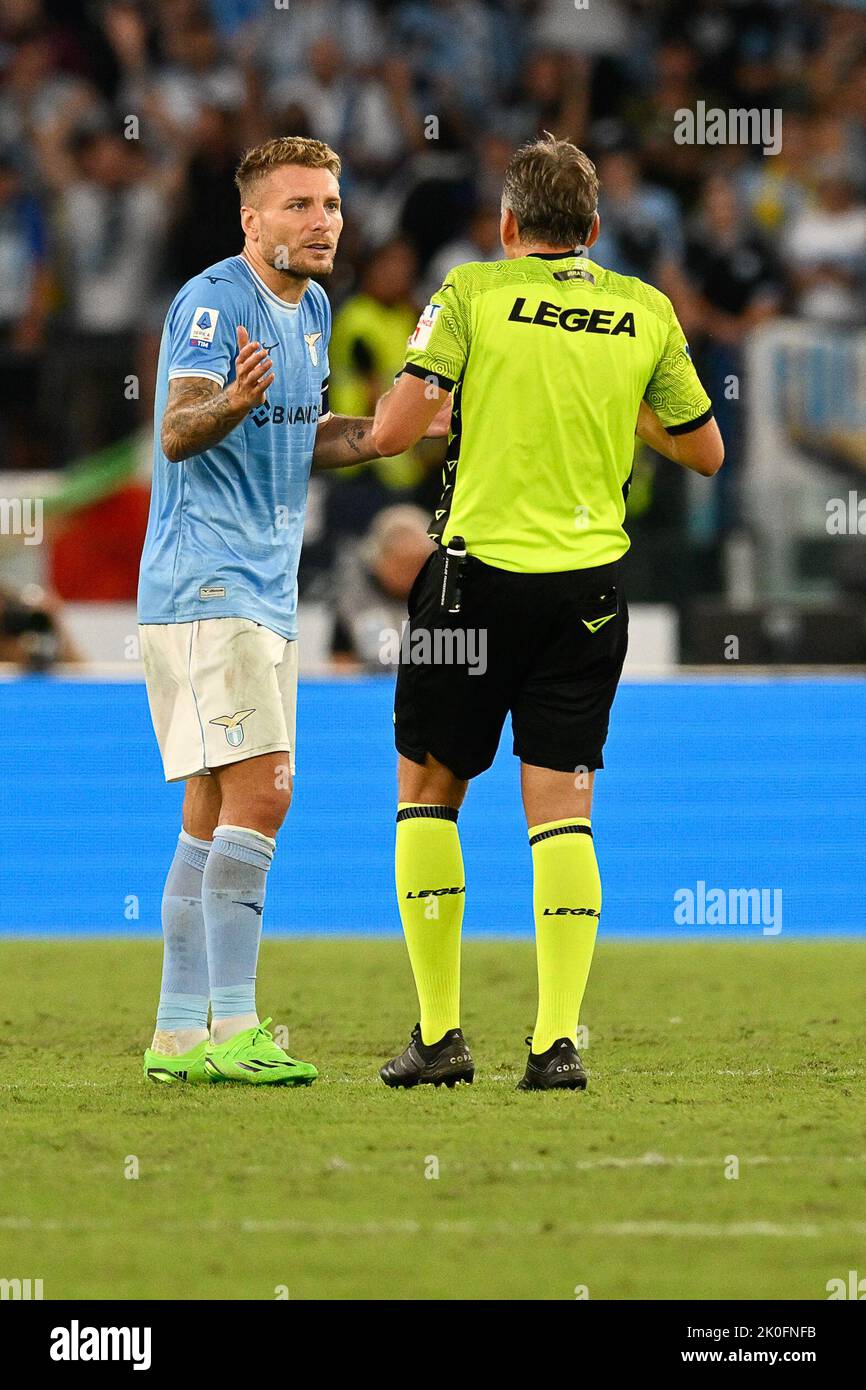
<point x="431" y="891"/>
<point x="567" y="903"/>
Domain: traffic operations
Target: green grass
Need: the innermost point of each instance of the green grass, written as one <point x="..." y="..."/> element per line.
<point x="696" y="1052"/>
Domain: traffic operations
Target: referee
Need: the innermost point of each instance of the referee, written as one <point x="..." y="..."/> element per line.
<point x="552" y="361"/>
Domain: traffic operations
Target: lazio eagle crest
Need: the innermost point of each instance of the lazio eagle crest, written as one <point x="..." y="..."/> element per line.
<point x="233" y="725"/>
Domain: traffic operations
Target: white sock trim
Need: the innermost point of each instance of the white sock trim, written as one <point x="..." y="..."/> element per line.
<point x="245" y="830"/>
<point x="191" y="840"/>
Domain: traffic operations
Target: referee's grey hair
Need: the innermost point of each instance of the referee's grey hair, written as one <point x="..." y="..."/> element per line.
<point x="552" y="188"/>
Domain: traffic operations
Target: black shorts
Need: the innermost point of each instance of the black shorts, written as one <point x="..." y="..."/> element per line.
<point x="548" y="648"/>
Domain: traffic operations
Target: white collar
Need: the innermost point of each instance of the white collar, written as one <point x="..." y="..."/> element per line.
<point x="268" y="293"/>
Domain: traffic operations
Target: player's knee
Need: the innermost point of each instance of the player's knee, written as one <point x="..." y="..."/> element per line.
<point x="263" y="809"/>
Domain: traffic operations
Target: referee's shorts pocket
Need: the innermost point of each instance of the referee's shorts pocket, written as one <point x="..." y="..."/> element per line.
<point x="597" y="610"/>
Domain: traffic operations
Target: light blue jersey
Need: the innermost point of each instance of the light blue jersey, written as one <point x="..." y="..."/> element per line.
<point x="225" y="528"/>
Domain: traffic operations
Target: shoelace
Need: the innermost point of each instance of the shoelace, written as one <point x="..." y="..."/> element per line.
<point x="262" y="1032"/>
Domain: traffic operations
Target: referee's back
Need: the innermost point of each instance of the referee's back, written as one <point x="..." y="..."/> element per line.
<point x="550" y="356"/>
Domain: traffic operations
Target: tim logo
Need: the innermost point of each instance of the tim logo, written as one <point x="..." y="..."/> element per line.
<point x="233" y="725"/>
<point x="204" y="322"/>
<point x="21" y="1289"/>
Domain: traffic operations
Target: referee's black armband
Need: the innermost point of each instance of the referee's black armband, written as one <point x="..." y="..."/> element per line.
<point x="445" y="383"/>
<point x="691" y="424"/>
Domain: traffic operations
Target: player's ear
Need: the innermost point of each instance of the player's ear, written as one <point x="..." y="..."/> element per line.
<point x="593" y="231"/>
<point x="250" y="222"/>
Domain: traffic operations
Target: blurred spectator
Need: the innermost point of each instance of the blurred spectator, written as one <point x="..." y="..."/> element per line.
<point x="553" y="95"/>
<point x="193" y="75"/>
<point x="33" y="92"/>
<point x="279" y="39"/>
<point x="24" y="302"/>
<point x="776" y="190"/>
<point x="204" y="225"/>
<point x="653" y="118"/>
<point x="374" y="579"/>
<point x="368" y="348"/>
<point x="326" y="87"/>
<point x="480" y="242"/>
<point x="450" y="46"/>
<point x="826" y="249"/>
<point x="32" y="632"/>
<point x="641" y="228"/>
<point x="737" y="285"/>
<point x="111" y="210"/>
<point x="494" y="150"/>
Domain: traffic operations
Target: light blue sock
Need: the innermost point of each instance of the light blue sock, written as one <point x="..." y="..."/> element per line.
<point x="233" y="899"/>
<point x="183" y="998"/>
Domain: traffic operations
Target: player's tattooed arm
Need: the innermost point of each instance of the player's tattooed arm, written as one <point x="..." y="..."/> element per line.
<point x="200" y="413"/>
<point x="343" y="440"/>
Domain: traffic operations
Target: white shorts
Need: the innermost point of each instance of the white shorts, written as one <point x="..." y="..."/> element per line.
<point x="220" y="690"/>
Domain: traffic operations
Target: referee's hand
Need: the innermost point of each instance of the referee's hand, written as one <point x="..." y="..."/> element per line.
<point x="253" y="372"/>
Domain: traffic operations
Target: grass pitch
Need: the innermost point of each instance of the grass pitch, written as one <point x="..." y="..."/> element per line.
<point x="699" y="1055"/>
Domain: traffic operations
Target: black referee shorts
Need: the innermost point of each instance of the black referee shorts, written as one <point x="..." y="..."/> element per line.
<point x="548" y="648"/>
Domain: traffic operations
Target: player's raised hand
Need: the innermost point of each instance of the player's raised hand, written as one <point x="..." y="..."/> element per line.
<point x="253" y="371"/>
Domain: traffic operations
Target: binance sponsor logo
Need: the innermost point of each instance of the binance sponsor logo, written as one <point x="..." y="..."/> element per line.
<point x="575" y="320"/>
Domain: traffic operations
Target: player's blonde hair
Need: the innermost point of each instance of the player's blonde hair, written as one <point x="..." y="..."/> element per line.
<point x="285" y="149"/>
<point x="552" y="188"/>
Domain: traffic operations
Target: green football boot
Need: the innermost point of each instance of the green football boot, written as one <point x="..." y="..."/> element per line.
<point x="254" y="1058"/>
<point x="190" y="1066"/>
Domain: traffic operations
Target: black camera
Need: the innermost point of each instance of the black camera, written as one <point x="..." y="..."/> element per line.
<point x="34" y="626"/>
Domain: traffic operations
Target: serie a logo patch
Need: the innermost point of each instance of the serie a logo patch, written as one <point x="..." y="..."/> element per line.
<point x="424" y="327"/>
<point x="204" y="322"/>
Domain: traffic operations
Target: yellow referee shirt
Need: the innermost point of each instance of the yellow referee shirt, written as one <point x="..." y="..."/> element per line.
<point x="549" y="356"/>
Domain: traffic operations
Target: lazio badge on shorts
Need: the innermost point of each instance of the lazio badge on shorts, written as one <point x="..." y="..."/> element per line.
<point x="204" y="322"/>
<point x="233" y="725"/>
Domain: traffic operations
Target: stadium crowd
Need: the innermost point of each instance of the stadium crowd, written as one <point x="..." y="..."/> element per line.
<point x="121" y="123"/>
